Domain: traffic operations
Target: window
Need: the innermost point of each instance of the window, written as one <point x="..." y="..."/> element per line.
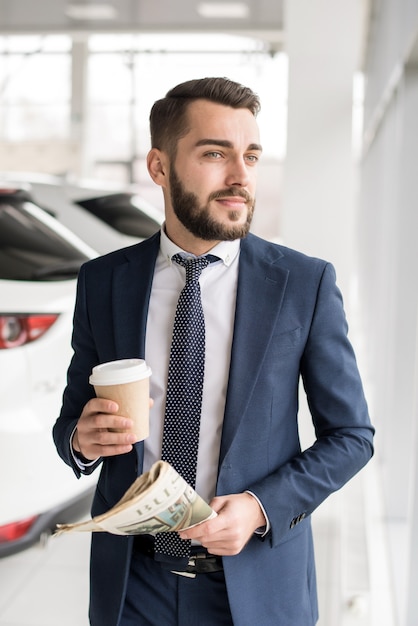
<point x="35" y="88"/>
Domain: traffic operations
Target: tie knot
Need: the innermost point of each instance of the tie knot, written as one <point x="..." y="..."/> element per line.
<point x="194" y="265"/>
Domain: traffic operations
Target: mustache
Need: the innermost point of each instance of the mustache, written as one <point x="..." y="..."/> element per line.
<point x="229" y="193"/>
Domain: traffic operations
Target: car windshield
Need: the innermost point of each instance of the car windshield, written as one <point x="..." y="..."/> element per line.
<point x="31" y="249"/>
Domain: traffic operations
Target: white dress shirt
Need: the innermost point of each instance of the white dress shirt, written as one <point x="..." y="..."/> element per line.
<point x="218" y="285"/>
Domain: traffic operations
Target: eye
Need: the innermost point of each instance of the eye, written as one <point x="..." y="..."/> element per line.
<point x="252" y="158"/>
<point x="213" y="154"/>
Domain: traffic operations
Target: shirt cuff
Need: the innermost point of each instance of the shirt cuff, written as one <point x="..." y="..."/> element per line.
<point x="263" y="530"/>
<point x="79" y="459"/>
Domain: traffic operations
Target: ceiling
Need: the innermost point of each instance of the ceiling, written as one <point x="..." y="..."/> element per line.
<point x="262" y="19"/>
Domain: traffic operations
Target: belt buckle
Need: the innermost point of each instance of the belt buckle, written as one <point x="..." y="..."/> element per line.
<point x="186" y="574"/>
<point x="191" y="563"/>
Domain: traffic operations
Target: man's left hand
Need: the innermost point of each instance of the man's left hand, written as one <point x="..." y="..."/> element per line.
<point x="239" y="515"/>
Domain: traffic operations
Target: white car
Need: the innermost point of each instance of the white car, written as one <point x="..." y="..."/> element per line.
<point x="39" y="262"/>
<point x="102" y="216"/>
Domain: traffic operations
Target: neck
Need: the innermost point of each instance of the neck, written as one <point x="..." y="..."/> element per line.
<point x="187" y="241"/>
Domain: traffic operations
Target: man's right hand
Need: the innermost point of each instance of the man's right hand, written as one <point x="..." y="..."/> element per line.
<point x="94" y="436"/>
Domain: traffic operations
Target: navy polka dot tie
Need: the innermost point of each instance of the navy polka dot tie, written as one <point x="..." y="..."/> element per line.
<point x="184" y="392"/>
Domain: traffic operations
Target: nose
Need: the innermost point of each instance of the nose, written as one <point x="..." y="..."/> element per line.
<point x="237" y="173"/>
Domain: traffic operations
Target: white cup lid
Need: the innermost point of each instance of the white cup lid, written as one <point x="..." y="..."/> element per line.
<point x="119" y="372"/>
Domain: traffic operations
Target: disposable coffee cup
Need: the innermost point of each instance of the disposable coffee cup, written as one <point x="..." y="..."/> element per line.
<point x="126" y="381"/>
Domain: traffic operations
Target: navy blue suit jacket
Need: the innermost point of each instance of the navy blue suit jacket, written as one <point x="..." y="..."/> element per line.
<point x="289" y="326"/>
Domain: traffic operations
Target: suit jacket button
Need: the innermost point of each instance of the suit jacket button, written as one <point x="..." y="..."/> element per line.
<point x="297" y="519"/>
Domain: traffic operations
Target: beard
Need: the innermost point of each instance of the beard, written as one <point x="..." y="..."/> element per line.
<point x="197" y="219"/>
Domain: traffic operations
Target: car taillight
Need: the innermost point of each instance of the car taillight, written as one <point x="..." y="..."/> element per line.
<point x="16" y="530"/>
<point x="16" y="330"/>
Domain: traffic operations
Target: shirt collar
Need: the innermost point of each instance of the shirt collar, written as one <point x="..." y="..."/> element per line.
<point x="225" y="250"/>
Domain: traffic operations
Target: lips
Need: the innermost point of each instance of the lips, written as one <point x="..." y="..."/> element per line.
<point x="237" y="197"/>
<point x="233" y="202"/>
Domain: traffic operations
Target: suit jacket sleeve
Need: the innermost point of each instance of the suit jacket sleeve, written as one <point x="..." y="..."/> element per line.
<point x="78" y="390"/>
<point x="339" y="412"/>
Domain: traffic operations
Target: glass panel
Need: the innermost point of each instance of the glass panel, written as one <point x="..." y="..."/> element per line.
<point x="172" y="42"/>
<point x="38" y="78"/>
<point x="110" y="132"/>
<point x="110" y="78"/>
<point x="36" y="122"/>
<point x="35" y="87"/>
<point x="35" y="43"/>
<point x="112" y="42"/>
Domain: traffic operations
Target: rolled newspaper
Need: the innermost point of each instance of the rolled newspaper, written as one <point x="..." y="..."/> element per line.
<point x="158" y="501"/>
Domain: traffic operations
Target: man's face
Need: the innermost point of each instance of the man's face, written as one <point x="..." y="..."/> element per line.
<point x="199" y="219"/>
<point x="213" y="179"/>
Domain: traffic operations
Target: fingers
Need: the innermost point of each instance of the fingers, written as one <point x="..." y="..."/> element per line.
<point x="219" y="535"/>
<point x="229" y="532"/>
<point x="100" y="432"/>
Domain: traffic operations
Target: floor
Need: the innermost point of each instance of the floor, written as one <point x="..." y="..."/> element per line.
<point x="48" y="586"/>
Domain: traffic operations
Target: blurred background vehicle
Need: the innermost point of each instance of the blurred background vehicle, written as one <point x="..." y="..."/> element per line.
<point x="105" y="217"/>
<point x="40" y="256"/>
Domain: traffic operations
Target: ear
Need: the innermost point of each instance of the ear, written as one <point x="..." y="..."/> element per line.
<point x="157" y="163"/>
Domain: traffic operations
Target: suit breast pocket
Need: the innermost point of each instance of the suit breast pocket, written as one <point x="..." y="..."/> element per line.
<point x="286" y="341"/>
<point x="282" y="358"/>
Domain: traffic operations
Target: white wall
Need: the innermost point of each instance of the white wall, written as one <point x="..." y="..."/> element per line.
<point x="388" y="229"/>
<point x="322" y="40"/>
<point x="319" y="217"/>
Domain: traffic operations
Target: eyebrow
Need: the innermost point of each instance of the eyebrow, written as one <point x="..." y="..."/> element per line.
<point x="224" y="143"/>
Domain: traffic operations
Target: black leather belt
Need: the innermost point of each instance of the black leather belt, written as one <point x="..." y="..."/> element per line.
<point x="200" y="560"/>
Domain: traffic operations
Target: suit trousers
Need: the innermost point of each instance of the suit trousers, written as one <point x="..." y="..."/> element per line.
<point x="157" y="597"/>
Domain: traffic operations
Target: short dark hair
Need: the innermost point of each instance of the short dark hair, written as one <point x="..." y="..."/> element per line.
<point x="168" y="117"/>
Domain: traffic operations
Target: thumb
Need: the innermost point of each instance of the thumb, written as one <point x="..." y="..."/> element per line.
<point x="218" y="503"/>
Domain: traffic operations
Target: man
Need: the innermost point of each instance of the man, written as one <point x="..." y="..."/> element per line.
<point x="272" y="316"/>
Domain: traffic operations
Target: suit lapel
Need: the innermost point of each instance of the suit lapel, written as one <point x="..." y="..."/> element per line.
<point x="261" y="287"/>
<point x="132" y="281"/>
